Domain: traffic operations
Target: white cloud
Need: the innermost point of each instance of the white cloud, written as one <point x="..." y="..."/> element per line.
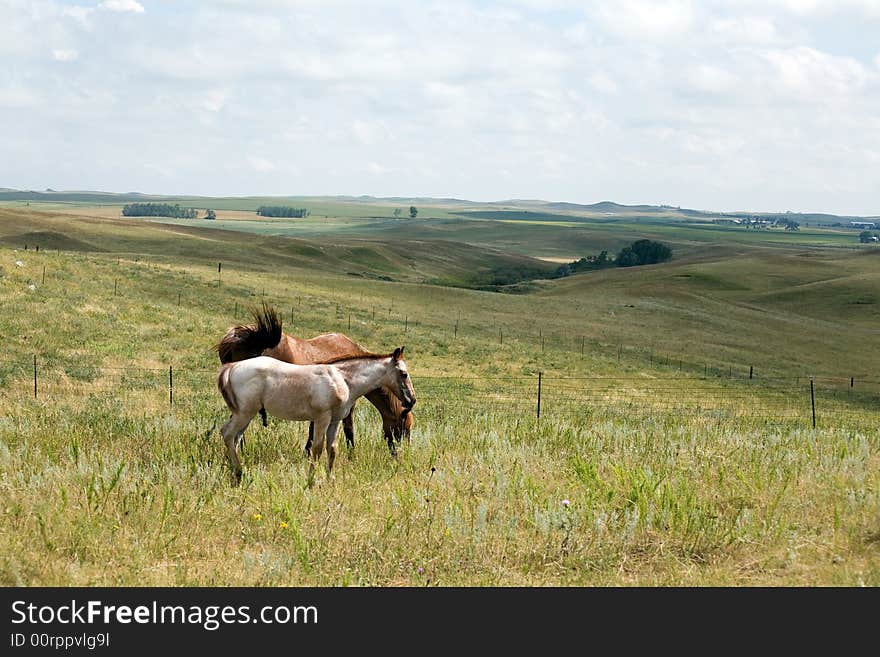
<point x="17" y="97"/>
<point x="645" y="19"/>
<point x="123" y="6"/>
<point x="711" y="79"/>
<point x="809" y="72"/>
<point x="813" y="8"/>
<point x="377" y="169"/>
<point x="65" y="55"/>
<point x="260" y="164"/>
<point x="746" y="29"/>
<point x="81" y="15"/>
<point x="215" y="100"/>
<point x="693" y="103"/>
<point x="603" y="83"/>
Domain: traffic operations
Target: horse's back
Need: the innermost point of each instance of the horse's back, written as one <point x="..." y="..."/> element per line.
<point x="330" y="345"/>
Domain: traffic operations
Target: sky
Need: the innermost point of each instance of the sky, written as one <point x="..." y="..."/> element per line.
<point x="764" y="105"/>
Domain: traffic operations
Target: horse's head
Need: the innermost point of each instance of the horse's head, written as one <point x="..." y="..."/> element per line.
<point x="402" y="382"/>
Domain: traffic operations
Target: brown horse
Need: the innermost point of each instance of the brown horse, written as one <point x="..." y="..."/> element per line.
<point x="264" y="337"/>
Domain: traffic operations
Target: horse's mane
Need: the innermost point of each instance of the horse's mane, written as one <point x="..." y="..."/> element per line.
<point x="263" y="333"/>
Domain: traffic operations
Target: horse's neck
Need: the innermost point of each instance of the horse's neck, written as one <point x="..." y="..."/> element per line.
<point x="363" y="374"/>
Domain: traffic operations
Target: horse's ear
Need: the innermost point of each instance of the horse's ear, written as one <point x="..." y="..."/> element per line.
<point x="398" y="353"/>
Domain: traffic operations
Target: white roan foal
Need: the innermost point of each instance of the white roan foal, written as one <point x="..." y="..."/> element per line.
<point x="323" y="394"/>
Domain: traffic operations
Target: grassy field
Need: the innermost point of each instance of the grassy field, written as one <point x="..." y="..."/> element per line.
<point x="656" y="459"/>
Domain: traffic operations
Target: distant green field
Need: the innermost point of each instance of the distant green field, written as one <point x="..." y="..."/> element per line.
<point x="657" y="460"/>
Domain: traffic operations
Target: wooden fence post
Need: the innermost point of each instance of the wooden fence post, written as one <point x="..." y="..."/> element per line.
<point x="171" y="386"/>
<point x="813" y="401"/>
<point x="540" y="377"/>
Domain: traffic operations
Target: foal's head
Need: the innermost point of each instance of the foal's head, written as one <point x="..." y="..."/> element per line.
<point x="402" y="383"/>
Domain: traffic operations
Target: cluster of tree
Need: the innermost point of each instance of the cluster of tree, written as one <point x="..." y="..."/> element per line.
<point x="413" y="212"/>
<point x="640" y="252"/>
<point x="867" y="236"/>
<point x="210" y="214"/>
<point x="159" y="210"/>
<point x="282" y="211"/>
<point x="643" y="252"/>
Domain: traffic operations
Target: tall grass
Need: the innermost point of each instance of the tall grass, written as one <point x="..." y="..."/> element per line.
<point x="104" y="482"/>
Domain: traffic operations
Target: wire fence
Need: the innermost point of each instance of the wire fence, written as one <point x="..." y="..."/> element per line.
<point x="815" y="401"/>
<point x="311" y="311"/>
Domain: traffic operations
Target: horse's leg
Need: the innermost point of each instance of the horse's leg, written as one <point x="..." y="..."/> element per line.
<point x="311" y="437"/>
<point x="332" y="433"/>
<point x="407" y="428"/>
<point x="382" y="401"/>
<point x="388" y="428"/>
<point x="348" y="428"/>
<point x="320" y="432"/>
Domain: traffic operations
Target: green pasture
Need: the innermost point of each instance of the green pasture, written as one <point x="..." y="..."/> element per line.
<point x="657" y="460"/>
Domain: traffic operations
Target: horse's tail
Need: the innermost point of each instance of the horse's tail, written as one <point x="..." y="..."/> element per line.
<point x="249" y="340"/>
<point x="225" y="389"/>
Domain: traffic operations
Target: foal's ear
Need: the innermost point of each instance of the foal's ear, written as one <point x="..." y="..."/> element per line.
<point x="398" y="353"/>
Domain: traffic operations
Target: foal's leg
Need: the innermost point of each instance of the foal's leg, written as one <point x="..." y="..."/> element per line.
<point x="232" y="432"/>
<point x="321" y="424"/>
<point x="332" y="432"/>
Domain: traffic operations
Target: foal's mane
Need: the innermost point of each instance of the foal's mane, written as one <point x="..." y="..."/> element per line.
<point x="345" y="357"/>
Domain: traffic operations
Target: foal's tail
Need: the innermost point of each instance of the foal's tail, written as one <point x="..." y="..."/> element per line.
<point x="225" y="389"/>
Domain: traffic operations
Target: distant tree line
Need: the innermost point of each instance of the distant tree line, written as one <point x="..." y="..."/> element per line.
<point x="640" y="252"/>
<point x="158" y="210"/>
<point x="584" y="264"/>
<point x="282" y="211"/>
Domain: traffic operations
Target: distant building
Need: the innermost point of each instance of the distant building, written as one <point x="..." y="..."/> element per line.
<point x="864" y="224"/>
